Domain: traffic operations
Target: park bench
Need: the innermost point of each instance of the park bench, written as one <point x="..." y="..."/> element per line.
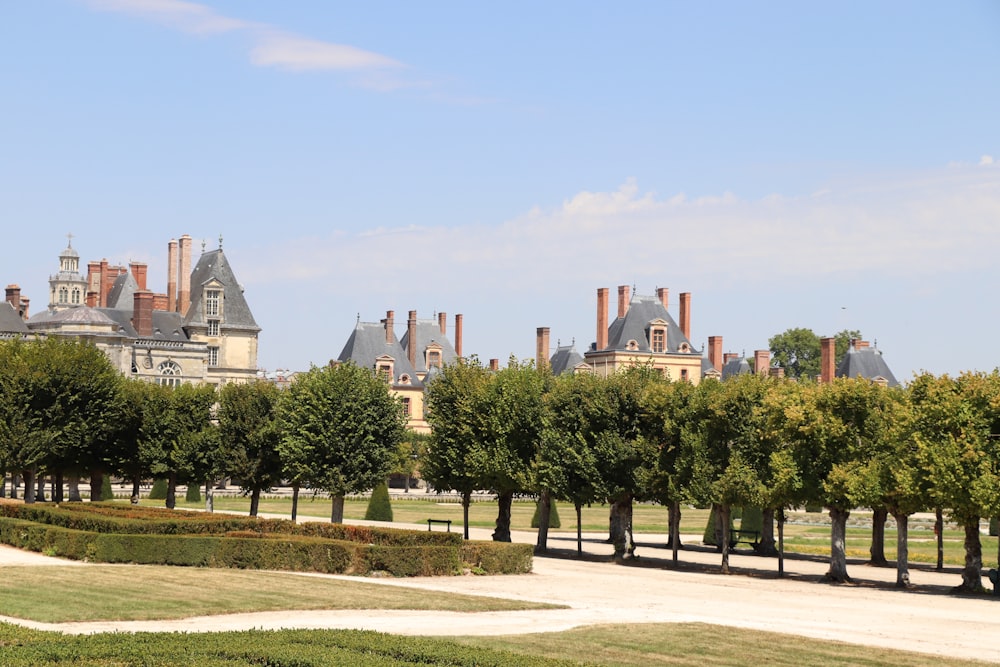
<point x="447" y="522"/>
<point x="751" y="537"/>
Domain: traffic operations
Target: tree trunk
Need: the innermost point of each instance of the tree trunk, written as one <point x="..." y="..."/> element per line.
<point x="466" y="501"/>
<point x="972" y="577"/>
<point x="96" y="483"/>
<point x="13" y="487"/>
<point x="209" y="497"/>
<point x="255" y="502"/>
<point x="939" y="532"/>
<point x="877" y="549"/>
<point x="579" y="529"/>
<point x="723" y="514"/>
<point x="74" y="488"/>
<point x="838" y="553"/>
<point x="544" y="510"/>
<point x="618" y="524"/>
<point x="337" y="509"/>
<point x="781" y="542"/>
<point x="502" y="532"/>
<point x="902" y="549"/>
<point x="675" y="529"/>
<point x="295" y="501"/>
<point x="171" y="501"/>
<point x="57" y="487"/>
<point x="766" y="545"/>
<point x="3" y="483"/>
<point x="136" y="488"/>
<point x="40" y="488"/>
<point x="28" y="476"/>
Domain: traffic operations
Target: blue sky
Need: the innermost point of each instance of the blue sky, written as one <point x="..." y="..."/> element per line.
<point x="823" y="165"/>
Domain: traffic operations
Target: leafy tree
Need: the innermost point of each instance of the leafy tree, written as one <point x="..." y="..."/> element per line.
<point x="248" y="429"/>
<point x="341" y="429"/>
<point x="798" y="350"/>
<point x="412" y="450"/>
<point x="453" y="402"/>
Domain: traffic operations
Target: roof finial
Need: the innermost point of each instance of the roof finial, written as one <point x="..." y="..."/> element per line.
<point x="203" y="246"/>
<point x="574" y="341"/>
<point x="357" y="320"/>
<point x="220" y="241"/>
<point x="70" y="240"/>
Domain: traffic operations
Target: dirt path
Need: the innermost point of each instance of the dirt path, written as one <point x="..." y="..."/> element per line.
<point x="868" y="611"/>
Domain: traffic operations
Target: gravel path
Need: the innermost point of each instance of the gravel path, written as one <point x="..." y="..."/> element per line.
<point x="868" y="611"/>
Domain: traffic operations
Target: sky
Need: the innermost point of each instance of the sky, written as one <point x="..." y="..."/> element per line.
<point x="821" y="165"/>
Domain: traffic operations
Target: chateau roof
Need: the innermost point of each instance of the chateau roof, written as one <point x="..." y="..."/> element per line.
<point x="565" y="359"/>
<point x="122" y="293"/>
<point x="367" y="343"/>
<point x="213" y="265"/>
<point x="633" y="326"/>
<point x="428" y="331"/>
<point x="866" y="362"/>
<point x="10" y="321"/>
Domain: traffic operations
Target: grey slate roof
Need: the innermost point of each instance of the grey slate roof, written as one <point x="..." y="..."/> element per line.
<point x="235" y="310"/>
<point x="641" y="311"/>
<point x="565" y="359"/>
<point x="167" y="326"/>
<point x="367" y="343"/>
<point x="122" y="294"/>
<point x="10" y="321"/>
<point x="706" y="365"/>
<point x="737" y="366"/>
<point x="74" y="315"/>
<point x="429" y="331"/>
<point x="866" y="362"/>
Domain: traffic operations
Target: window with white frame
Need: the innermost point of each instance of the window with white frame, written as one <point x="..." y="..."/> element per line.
<point x="213" y="356"/>
<point x="169" y="374"/>
<point x="213" y="302"/>
<point x="213" y="327"/>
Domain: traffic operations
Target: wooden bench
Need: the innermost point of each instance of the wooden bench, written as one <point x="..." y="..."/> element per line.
<point x="751" y="537"/>
<point x="447" y="522"/>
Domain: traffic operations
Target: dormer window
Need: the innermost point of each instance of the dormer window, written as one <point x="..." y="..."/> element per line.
<point x="384" y="366"/>
<point x="432" y="356"/>
<point x="657" y="330"/>
<point x="213" y="302"/>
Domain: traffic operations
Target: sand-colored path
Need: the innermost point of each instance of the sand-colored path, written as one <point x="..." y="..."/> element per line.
<point x="869" y="611"/>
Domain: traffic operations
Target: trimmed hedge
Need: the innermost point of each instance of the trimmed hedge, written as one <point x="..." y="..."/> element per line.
<point x="498" y="557"/>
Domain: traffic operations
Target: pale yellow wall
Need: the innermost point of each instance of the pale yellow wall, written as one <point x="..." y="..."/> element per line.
<point x="608" y="363"/>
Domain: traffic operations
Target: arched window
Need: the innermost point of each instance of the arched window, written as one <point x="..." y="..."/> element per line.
<point x="170" y="374"/>
<point x="63" y="295"/>
<point x="76" y="296"/>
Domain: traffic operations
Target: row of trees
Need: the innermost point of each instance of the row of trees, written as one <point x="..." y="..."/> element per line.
<point x="67" y="413"/>
<point x="752" y="441"/>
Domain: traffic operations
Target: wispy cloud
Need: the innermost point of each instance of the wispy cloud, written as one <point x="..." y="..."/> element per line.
<point x="270" y="45"/>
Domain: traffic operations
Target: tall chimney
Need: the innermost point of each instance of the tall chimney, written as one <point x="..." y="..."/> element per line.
<point x="715" y="351"/>
<point x="107" y="282"/>
<point x="14" y="297"/>
<point x="458" y="335"/>
<point x="602" y="318"/>
<point x="138" y="270"/>
<point x="184" y="277"/>
<point x="91" y="299"/>
<point x="541" y="347"/>
<point x="94" y="280"/>
<point x="662" y="293"/>
<point x="761" y="361"/>
<point x="729" y="356"/>
<point x="494" y="364"/>
<point x="389" y="315"/>
<point x="443" y="323"/>
<point x="622" y="300"/>
<point x="685" y="314"/>
<point x="160" y="302"/>
<point x="827" y="359"/>
<point x="172" y="275"/>
<point x="142" y="313"/>
<point x="411" y="338"/>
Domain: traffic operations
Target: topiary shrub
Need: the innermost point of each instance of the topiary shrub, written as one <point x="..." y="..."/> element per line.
<point x="193" y="493"/>
<point x="379" y="506"/>
<point x="553" y="516"/>
<point x="107" y="493"/>
<point x="159" y="490"/>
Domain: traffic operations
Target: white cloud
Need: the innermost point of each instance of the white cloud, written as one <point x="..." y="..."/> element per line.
<point x="985" y="160"/>
<point x="270" y="46"/>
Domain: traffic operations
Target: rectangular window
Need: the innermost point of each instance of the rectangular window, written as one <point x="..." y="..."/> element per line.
<point x="659" y="342"/>
<point x="213" y="356"/>
<point x="385" y="372"/>
<point x="407" y="407"/>
<point x="213" y="299"/>
<point x="433" y="359"/>
<point x="213" y="327"/>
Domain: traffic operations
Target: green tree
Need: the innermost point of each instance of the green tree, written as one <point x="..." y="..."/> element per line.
<point x="341" y="429"/>
<point x="798" y="350"/>
<point x="248" y="430"/>
<point x="379" y="505"/>
<point x="412" y="450"/>
<point x="453" y="409"/>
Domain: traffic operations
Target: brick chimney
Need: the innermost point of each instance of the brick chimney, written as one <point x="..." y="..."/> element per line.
<point x="761" y="361"/>
<point x="777" y="372"/>
<point x="411" y="338"/>
<point x="142" y="312"/>
<point x="827" y="359"/>
<point x="94" y="279"/>
<point x="541" y="347"/>
<point x="92" y="299"/>
<point x="160" y="302"/>
<point x="139" y="270"/>
<point x="184" y="275"/>
<point x="622" y="300"/>
<point x="443" y="323"/>
<point x="172" y="275"/>
<point x="715" y="352"/>
<point x="25" y="302"/>
<point x="14" y="297"/>
<point x="108" y="275"/>
<point x="860" y="344"/>
<point x="685" y="314"/>
<point x="602" y="318"/>
<point x="729" y="356"/>
<point x="662" y="293"/>
<point x="494" y="364"/>
<point x="458" y="335"/>
<point x="388" y="321"/>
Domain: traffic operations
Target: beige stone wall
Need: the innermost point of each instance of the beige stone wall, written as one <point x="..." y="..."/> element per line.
<point x="673" y="365"/>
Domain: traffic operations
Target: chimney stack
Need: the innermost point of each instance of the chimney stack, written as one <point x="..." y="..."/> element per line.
<point x="139" y="270"/>
<point x="761" y="361"/>
<point x="622" y="300"/>
<point x="729" y="356"/>
<point x="494" y="364"/>
<point x="160" y="302"/>
<point x="108" y="275"/>
<point x="685" y="314"/>
<point x="184" y="277"/>
<point x="172" y="275"/>
<point x="827" y="359"/>
<point x="25" y="301"/>
<point x="91" y="299"/>
<point x="388" y="321"/>
<point x="411" y="338"/>
<point x="458" y="336"/>
<point x="443" y="323"/>
<point x="715" y="352"/>
<point x="142" y="313"/>
<point x="602" y="318"/>
<point x="14" y="297"/>
<point x="777" y="372"/>
<point x="662" y="293"/>
<point x="541" y="347"/>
